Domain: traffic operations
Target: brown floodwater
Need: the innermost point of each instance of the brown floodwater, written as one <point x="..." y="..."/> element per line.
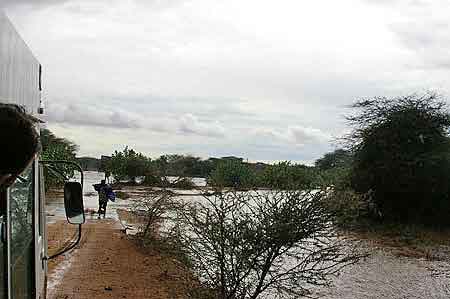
<point x="383" y="275"/>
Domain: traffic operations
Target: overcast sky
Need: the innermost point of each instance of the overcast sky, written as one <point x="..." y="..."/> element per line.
<point x="264" y="80"/>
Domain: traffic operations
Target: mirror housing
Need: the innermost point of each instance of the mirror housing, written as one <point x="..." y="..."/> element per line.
<point x="73" y="202"/>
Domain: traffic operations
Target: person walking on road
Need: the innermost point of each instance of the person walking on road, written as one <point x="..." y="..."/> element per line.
<point x="105" y="193"/>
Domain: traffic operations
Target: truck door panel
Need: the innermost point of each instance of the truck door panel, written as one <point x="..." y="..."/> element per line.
<point x="21" y="236"/>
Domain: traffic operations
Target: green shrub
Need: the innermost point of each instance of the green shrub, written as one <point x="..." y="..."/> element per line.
<point x="285" y="176"/>
<point x="338" y="178"/>
<point x="183" y="183"/>
<point x="233" y="174"/>
<point x="155" y="181"/>
<point x="339" y="158"/>
<point x="402" y="154"/>
<point x="349" y="208"/>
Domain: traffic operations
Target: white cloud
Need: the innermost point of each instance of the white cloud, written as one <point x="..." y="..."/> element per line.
<point x="305" y="135"/>
<point x="296" y="135"/>
<point x="194" y="69"/>
<point x="190" y="124"/>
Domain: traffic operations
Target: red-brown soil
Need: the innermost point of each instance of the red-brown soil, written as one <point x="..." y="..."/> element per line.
<point x="108" y="264"/>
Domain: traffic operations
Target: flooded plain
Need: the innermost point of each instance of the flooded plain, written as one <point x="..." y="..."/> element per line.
<point x="381" y="275"/>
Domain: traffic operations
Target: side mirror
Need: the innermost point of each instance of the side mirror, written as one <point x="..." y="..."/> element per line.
<point x="73" y="202"/>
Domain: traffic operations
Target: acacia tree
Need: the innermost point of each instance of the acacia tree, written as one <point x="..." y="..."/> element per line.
<point x="270" y="244"/>
<point x="401" y="154"/>
<point x="338" y="158"/>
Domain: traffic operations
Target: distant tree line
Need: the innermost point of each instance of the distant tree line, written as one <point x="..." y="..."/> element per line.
<point x="232" y="172"/>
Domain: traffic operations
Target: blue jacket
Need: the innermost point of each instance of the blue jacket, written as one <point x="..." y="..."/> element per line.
<point x="109" y="193"/>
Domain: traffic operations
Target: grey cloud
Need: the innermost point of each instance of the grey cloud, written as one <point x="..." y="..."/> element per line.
<point x="162" y="4"/>
<point x="416" y="3"/>
<point x="98" y="116"/>
<point x="222" y="72"/>
<point x="297" y="135"/>
<point x="211" y="109"/>
<point x="92" y="7"/>
<point x="429" y="41"/>
<point x="420" y="34"/>
<point x="77" y="114"/>
<point x="306" y="135"/>
<point x="424" y="30"/>
<point x="293" y="143"/>
<point x="31" y="3"/>
<point x="85" y="6"/>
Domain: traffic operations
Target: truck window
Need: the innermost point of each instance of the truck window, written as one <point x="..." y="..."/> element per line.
<point x="21" y="225"/>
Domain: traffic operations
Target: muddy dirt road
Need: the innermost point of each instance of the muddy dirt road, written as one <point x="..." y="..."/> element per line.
<point x="108" y="264"/>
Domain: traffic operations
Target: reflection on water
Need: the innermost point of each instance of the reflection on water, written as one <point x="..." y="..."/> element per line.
<point x="380" y="276"/>
<point x="77" y="219"/>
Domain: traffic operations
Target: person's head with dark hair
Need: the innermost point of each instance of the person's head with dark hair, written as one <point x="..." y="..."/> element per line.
<point x="19" y="139"/>
<point x="103" y="182"/>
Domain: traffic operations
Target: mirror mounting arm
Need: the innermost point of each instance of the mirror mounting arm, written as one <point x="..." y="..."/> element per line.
<point x="46" y="162"/>
<point x="67" y="248"/>
<point x="76" y="165"/>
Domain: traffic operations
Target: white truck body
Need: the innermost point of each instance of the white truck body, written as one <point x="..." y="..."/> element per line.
<point x="22" y="212"/>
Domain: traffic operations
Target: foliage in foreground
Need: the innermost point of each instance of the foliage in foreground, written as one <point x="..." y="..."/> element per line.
<point x="153" y="208"/>
<point x="351" y="210"/>
<point x="251" y="245"/>
<point x="56" y="148"/>
<point x="402" y="155"/>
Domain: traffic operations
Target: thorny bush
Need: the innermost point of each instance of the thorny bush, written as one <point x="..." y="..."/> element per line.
<point x="273" y="244"/>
